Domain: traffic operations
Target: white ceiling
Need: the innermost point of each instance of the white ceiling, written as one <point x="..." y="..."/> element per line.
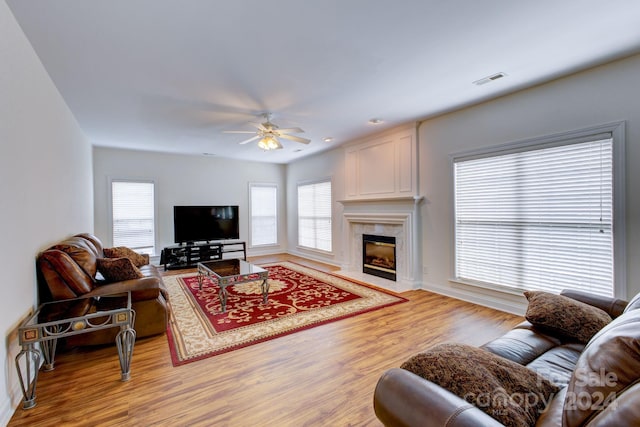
<point x="173" y="75"/>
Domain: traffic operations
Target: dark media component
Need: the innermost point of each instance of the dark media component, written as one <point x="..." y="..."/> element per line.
<point x="205" y="223"/>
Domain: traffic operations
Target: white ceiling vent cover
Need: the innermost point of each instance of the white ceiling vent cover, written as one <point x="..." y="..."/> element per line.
<point x="489" y="79"/>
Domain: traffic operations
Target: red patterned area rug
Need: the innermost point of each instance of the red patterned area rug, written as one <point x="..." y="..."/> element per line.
<point x="299" y="298"/>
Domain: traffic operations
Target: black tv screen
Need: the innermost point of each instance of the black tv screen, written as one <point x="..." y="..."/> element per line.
<point x="204" y="223"/>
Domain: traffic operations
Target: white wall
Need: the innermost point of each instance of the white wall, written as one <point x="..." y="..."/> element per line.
<point x="185" y="180"/>
<point x="329" y="164"/>
<point x="604" y="94"/>
<point x="45" y="185"/>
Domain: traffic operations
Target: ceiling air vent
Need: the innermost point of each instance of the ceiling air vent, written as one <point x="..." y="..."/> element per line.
<point x="489" y="79"/>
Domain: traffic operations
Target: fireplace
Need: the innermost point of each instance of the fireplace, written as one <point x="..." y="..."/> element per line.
<point x="398" y="218"/>
<point x="379" y="256"/>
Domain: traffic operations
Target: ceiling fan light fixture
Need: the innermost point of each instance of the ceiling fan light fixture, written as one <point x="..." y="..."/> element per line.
<point x="375" y="121"/>
<point x="269" y="134"/>
<point x="269" y="143"/>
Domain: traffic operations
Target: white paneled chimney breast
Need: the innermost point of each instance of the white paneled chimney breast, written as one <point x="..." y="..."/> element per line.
<point x="381" y="198"/>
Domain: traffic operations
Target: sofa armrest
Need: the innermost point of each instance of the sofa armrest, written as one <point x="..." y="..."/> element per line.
<point x="402" y="398"/>
<point x="612" y="306"/>
<point x="141" y="289"/>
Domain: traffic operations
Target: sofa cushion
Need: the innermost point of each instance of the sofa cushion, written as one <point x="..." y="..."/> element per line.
<point x="507" y="391"/>
<point x="608" y="366"/>
<point x="565" y="316"/>
<point x="123" y="252"/>
<point x="97" y="244"/>
<point x="81" y="251"/>
<point x="64" y="278"/>
<point x="558" y="363"/>
<point x="523" y="344"/>
<point x="118" y="269"/>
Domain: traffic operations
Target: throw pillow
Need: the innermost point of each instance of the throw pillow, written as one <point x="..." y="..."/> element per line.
<point x="123" y="252"/>
<point x="565" y="316"/>
<point x="608" y="367"/>
<point x="118" y="269"/>
<point x="507" y="391"/>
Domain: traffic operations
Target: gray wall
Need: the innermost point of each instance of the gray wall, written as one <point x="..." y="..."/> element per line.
<point x="601" y="95"/>
<point x="45" y="185"/>
<point x="185" y="180"/>
<point x="330" y="165"/>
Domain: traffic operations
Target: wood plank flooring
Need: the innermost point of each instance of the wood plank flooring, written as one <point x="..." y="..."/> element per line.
<point x="324" y="376"/>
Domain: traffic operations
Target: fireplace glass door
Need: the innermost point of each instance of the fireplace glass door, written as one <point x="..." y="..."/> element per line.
<point x="379" y="256"/>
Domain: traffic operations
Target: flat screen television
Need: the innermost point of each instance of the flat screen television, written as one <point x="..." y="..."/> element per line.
<point x="204" y="223"/>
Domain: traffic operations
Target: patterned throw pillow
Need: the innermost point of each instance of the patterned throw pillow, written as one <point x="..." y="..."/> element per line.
<point x="507" y="391"/>
<point x="118" y="269"/>
<point x="123" y="252"/>
<point x="565" y="316"/>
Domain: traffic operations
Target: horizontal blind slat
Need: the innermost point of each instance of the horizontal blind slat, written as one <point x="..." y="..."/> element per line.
<point x="539" y="219"/>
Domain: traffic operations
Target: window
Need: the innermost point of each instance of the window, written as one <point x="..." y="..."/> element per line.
<point x="539" y="216"/>
<point x="263" y="200"/>
<point x="133" y="218"/>
<point x="314" y="215"/>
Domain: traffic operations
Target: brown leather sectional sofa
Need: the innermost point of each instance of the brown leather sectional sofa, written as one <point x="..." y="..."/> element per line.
<point x="402" y="398"/>
<point x="68" y="269"/>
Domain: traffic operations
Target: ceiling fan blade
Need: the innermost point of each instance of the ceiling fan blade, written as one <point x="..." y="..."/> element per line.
<point x="246" y="141"/>
<point x="258" y="125"/>
<point x="295" y="138"/>
<point x="290" y="130"/>
<point x="238" y="131"/>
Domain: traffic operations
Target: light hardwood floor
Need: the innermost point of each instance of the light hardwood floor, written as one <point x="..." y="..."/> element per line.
<point x="324" y="376"/>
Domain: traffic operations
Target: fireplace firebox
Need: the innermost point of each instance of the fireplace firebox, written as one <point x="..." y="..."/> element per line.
<point x="379" y="256"/>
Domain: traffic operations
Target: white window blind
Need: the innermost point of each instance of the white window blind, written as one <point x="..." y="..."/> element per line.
<point x="314" y="215"/>
<point x="538" y="219"/>
<point x="264" y="214"/>
<point x="133" y="208"/>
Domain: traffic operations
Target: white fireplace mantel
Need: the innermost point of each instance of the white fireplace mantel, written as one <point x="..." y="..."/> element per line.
<point x="395" y="217"/>
<point x="409" y="201"/>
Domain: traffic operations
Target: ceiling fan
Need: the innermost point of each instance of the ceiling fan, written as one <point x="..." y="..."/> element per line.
<point x="268" y="134"/>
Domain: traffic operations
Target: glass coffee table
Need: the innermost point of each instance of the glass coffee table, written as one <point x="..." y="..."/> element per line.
<point x="229" y="272"/>
<point x="61" y="319"/>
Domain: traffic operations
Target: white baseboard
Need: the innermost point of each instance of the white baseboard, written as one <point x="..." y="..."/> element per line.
<point x="12" y="403"/>
<point x="492" y="299"/>
<point x="266" y="250"/>
<point x="311" y="255"/>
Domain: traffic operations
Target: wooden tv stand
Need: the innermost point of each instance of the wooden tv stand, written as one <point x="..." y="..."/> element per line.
<point x="189" y="255"/>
